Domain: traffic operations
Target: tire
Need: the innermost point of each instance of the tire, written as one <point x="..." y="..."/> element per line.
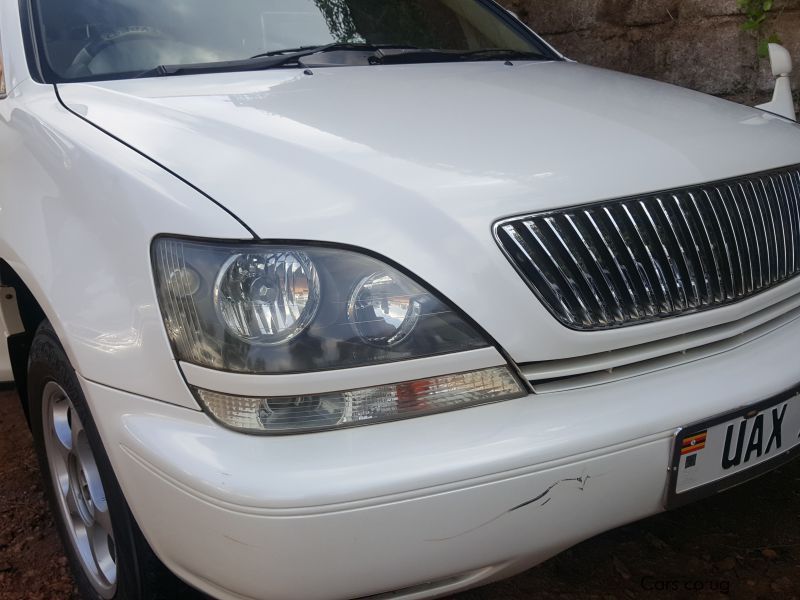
<point x="107" y="552"/>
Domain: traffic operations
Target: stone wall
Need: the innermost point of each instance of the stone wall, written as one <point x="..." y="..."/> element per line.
<point x="693" y="43"/>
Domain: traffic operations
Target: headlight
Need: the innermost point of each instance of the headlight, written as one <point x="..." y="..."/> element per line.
<point x="269" y="309"/>
<point x="267" y="298"/>
<point x="383" y="309"/>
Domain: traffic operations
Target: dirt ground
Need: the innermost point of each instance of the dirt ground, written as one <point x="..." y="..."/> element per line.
<point x="741" y="544"/>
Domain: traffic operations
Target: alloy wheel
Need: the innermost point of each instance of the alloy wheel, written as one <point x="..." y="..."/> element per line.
<point x="79" y="490"/>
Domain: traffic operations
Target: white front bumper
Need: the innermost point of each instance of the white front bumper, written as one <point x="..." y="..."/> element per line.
<point x="456" y="499"/>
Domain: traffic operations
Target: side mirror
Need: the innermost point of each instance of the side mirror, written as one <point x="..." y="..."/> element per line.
<point x="781" y="60"/>
<point x="782" y="100"/>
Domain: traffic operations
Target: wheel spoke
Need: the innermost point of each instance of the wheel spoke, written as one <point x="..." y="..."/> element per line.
<point x="76" y="428"/>
<point x="63" y="450"/>
<point x="102" y="519"/>
<point x="72" y="505"/>
<point x="59" y="465"/>
<point x="91" y="477"/>
<point x="101" y="544"/>
<point x="59" y="426"/>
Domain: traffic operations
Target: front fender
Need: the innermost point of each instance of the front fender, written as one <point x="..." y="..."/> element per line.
<point x="78" y="212"/>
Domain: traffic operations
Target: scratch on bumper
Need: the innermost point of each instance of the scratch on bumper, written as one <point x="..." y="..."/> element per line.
<point x="545" y="495"/>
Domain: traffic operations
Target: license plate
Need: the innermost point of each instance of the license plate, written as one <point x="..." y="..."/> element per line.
<point x="725" y="451"/>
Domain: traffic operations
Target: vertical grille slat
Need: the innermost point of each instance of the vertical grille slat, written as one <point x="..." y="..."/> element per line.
<point x="772" y="233"/>
<point x="637" y="267"/>
<point x="737" y="241"/>
<point x="680" y="297"/>
<point x="724" y="243"/>
<point x="656" y="269"/>
<point x="763" y="229"/>
<point x="794" y="181"/>
<point x="794" y="210"/>
<point x="605" y="249"/>
<point x="711" y="250"/>
<point x="579" y="267"/>
<point x="794" y="215"/>
<point x="679" y="242"/>
<point x="758" y="238"/>
<point x="635" y="260"/>
<point x="788" y="200"/>
<point x="780" y="201"/>
<point x="550" y="291"/>
<point x="698" y="250"/>
<point x="776" y="232"/>
<point x="611" y="288"/>
<point x="557" y="269"/>
<point x="748" y="235"/>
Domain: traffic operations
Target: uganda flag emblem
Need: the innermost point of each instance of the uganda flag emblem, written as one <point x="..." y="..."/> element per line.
<point x="694" y="443"/>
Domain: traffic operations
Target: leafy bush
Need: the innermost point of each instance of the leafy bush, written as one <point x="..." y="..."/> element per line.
<point x="757" y="12"/>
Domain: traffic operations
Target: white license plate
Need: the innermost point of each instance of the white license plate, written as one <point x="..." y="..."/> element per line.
<point x="733" y="448"/>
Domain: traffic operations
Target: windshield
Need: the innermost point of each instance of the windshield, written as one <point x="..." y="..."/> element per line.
<point x="105" y="39"/>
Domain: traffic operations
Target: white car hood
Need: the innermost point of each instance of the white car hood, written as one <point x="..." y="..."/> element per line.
<point x="417" y="162"/>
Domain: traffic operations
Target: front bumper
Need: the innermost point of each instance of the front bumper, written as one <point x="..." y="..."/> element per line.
<point x="427" y="506"/>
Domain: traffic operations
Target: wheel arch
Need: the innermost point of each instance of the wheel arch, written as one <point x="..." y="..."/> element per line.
<point x="31" y="315"/>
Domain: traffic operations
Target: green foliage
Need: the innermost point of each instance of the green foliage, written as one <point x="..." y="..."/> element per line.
<point x="757" y="13"/>
<point x="339" y="19"/>
<point x="388" y="21"/>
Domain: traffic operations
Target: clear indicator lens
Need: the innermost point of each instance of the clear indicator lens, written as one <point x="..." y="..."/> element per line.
<point x="267" y="298"/>
<point x="364" y="406"/>
<point x="384" y="309"/>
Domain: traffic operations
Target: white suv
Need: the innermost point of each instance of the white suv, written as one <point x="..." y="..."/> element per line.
<point x="324" y="299"/>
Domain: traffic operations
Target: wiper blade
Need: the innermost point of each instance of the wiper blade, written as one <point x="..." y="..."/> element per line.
<point x="336" y="46"/>
<point x="267" y="60"/>
<point x="424" y="56"/>
<point x="285" y="51"/>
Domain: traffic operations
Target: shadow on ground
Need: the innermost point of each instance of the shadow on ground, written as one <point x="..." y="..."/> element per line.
<point x="744" y="543"/>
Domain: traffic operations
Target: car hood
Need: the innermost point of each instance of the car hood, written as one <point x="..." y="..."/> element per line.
<point x="416" y="162"/>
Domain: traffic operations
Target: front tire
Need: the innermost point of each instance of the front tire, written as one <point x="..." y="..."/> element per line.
<point x="109" y="557"/>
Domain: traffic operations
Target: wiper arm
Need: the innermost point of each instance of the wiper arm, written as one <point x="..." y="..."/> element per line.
<point x="504" y="53"/>
<point x="423" y="56"/>
<point x="255" y="63"/>
<point x="267" y="60"/>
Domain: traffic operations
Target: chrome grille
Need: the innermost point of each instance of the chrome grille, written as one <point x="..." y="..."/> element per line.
<point x="636" y="260"/>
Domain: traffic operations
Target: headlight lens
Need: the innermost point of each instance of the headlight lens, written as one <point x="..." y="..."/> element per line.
<point x="384" y="310"/>
<point x="267" y="309"/>
<point x="269" y="297"/>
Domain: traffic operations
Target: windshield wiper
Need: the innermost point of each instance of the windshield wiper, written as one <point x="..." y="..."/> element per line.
<point x="267" y="60"/>
<point x="284" y="51"/>
<point x="425" y="56"/>
<point x="363" y="46"/>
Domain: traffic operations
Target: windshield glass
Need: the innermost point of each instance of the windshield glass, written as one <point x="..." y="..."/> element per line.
<point x="100" y="39"/>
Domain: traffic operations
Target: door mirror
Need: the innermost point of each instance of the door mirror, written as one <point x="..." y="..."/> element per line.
<point x="781" y="60"/>
<point x="782" y="100"/>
